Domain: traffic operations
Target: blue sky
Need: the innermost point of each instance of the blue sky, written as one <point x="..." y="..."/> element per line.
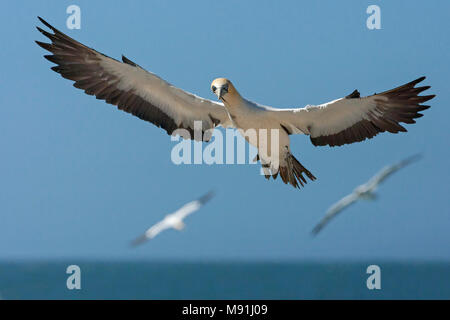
<point x="79" y="179"/>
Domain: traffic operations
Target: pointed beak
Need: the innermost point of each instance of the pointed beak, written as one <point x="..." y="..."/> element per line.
<point x="219" y="93"/>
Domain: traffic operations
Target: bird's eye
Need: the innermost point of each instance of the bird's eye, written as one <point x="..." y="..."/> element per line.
<point x="213" y="88"/>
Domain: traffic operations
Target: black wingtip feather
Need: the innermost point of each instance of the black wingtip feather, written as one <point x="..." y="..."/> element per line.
<point x="44" y="45"/>
<point x="205" y="198"/>
<point x="46" y="23"/>
<point x="45" y="33"/>
<point x="56" y="69"/>
<point x="40" y="29"/>
<point x="50" y="58"/>
<point x="419" y="80"/>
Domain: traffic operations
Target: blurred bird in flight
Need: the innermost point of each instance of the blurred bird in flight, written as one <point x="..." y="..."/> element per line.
<point x="173" y="220"/>
<point x="363" y="192"/>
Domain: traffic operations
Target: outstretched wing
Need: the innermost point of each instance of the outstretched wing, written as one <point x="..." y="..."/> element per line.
<point x="193" y="206"/>
<point x="151" y="233"/>
<point x="334" y="211"/>
<point x="386" y="172"/>
<point x="353" y="119"/>
<point x="130" y="87"/>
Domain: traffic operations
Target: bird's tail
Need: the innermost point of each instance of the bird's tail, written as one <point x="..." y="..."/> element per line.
<point x="292" y="172"/>
<point x="179" y="225"/>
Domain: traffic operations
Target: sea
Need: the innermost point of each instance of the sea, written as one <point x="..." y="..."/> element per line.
<point x="223" y="280"/>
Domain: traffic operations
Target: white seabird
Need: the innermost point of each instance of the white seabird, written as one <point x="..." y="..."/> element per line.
<point x="147" y="96"/>
<point x="363" y="192"/>
<point x="173" y="220"/>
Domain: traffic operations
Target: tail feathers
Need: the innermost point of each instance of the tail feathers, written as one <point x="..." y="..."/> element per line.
<point x="292" y="172"/>
<point x="179" y="225"/>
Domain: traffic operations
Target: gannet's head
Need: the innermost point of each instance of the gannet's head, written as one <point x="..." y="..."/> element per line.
<point x="221" y="87"/>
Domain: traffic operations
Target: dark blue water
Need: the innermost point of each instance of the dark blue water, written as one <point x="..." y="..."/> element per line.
<point x="164" y="280"/>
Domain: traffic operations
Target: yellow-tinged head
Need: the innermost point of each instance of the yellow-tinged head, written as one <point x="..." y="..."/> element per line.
<point x="223" y="87"/>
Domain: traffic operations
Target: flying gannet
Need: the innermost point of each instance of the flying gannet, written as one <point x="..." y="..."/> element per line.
<point x="147" y="96"/>
<point x="173" y="220"/>
<point x="363" y="192"/>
